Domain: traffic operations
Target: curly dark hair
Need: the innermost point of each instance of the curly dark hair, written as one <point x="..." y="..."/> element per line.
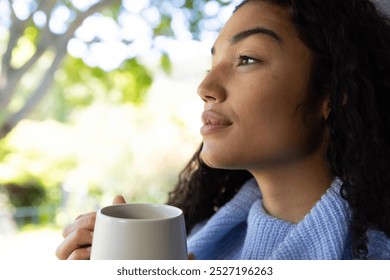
<point x="350" y="40"/>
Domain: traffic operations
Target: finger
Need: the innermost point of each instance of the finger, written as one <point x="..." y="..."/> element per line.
<point x="118" y="200"/>
<point x="85" y="221"/>
<point x="77" y="239"/>
<point x="81" y="254"/>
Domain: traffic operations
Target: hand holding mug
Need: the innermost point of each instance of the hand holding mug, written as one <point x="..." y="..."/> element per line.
<point x="78" y="236"/>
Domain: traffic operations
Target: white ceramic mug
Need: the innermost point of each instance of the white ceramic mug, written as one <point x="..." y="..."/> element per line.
<point x="139" y="232"/>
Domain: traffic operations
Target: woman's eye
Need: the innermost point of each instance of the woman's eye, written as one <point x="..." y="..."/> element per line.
<point x="246" y="60"/>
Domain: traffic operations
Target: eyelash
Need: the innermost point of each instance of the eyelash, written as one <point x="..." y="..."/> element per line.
<point x="241" y="58"/>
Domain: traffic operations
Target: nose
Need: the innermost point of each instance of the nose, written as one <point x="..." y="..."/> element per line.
<point x="212" y="88"/>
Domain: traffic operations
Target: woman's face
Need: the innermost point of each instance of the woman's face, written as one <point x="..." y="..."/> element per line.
<point x="255" y="92"/>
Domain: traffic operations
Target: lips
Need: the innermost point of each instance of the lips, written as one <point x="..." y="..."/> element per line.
<point x="213" y="122"/>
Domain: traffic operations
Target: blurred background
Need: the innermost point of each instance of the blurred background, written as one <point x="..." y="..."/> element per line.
<point x="97" y="98"/>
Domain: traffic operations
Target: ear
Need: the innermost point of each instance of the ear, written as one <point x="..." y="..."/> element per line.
<point x="325" y="107"/>
<point x="344" y="99"/>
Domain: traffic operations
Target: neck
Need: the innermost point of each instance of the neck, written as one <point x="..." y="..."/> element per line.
<point x="290" y="192"/>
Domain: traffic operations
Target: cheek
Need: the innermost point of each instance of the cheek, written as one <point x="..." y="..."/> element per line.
<point x="268" y="103"/>
<point x="271" y="123"/>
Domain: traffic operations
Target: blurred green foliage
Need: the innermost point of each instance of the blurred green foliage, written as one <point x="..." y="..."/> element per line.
<point x="81" y="84"/>
<point x="26" y="195"/>
<point x="196" y="18"/>
<point x="166" y="63"/>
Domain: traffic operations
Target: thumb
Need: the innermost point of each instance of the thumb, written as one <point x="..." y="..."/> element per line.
<point x="118" y="200"/>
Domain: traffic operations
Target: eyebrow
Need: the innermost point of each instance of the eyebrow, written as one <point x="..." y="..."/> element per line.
<point x="250" y="32"/>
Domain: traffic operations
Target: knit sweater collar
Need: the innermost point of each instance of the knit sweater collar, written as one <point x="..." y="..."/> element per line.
<point x="243" y="230"/>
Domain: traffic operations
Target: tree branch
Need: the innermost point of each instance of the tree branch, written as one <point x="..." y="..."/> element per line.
<point x="15" y="32"/>
<point x="36" y="96"/>
<point x="47" y="39"/>
<point x="60" y="45"/>
<point x="10" y="77"/>
<point x="91" y="10"/>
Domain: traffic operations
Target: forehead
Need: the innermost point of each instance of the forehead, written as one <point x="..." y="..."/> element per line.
<point x="258" y="14"/>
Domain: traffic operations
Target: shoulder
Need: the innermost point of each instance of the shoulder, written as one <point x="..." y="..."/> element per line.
<point x="378" y="245"/>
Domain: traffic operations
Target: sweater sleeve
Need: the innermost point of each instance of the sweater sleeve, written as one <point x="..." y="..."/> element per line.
<point x="378" y="245"/>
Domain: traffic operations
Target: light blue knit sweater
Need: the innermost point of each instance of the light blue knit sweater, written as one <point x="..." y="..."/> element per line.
<point x="241" y="229"/>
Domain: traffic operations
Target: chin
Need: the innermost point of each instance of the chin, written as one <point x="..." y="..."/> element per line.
<point x="209" y="160"/>
<point x="216" y="161"/>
